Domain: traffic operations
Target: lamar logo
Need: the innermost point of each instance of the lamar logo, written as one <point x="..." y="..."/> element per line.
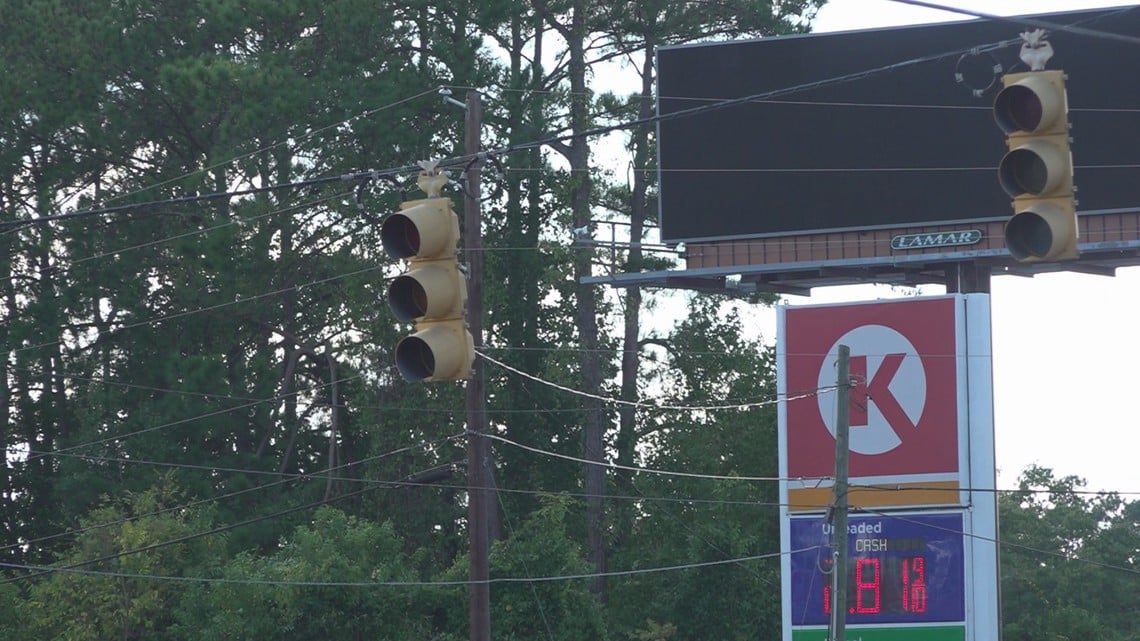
<point x="937" y="239"/>
<point x="889" y="394"/>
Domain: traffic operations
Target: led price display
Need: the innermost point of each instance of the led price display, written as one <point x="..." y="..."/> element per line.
<point x="900" y="569"/>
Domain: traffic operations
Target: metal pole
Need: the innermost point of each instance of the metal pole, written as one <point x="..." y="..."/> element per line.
<point x="842" y="450"/>
<point x="477" y="451"/>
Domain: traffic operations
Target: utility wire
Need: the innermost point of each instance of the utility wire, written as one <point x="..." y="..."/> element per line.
<point x="285" y="478"/>
<point x="190" y="537"/>
<point x="298" y="140"/>
<point x="653" y="406"/>
<point x="198" y="198"/>
<point x="197" y="232"/>
<point x="1002" y="542"/>
<point x="692" y="529"/>
<point x="1030" y="21"/>
<point x="389" y="483"/>
<point x="182" y="421"/>
<point x="352" y="177"/>
<point x="464" y="160"/>
<point x="802" y="479"/>
<point x="248" y="403"/>
<point x="210" y="308"/>
<point x="197" y="535"/>
<point x="410" y="482"/>
<point x="526" y="568"/>
<point x="323" y="475"/>
<point x="631" y="468"/>
<point x="74" y="568"/>
<point x="41" y="569"/>
<point x="880" y="487"/>
<point x="598" y="131"/>
<point x="215" y="469"/>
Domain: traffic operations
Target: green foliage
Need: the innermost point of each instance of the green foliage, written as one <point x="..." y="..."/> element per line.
<point x="1066" y="561"/>
<point x="116" y="600"/>
<point x="541" y="546"/>
<point x="333" y="548"/>
<point x="13" y="619"/>
<point x="703" y="520"/>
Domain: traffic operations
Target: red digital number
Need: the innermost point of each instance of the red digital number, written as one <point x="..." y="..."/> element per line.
<point x="863" y="585"/>
<point x="917" y="587"/>
<point x="868" y="586"/>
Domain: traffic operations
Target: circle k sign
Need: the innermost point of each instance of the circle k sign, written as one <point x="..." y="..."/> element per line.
<point x="905" y="374"/>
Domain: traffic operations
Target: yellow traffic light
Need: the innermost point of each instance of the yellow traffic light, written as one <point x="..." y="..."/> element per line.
<point x="433" y="292"/>
<point x="1037" y="171"/>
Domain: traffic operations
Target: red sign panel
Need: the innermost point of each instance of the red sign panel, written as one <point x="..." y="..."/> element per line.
<point x="904" y="404"/>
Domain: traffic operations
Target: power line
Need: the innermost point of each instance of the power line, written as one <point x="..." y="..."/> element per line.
<point x="370" y="175"/>
<point x="818" y="479"/>
<point x="183" y="421"/>
<point x="255" y="402"/>
<point x="693" y="530"/>
<point x="388" y="409"/>
<point x="1002" y="542"/>
<point x="352" y="177"/>
<point x="214" y="469"/>
<point x="631" y="468"/>
<point x="526" y="568"/>
<point x="210" y="308"/>
<point x="192" y="536"/>
<point x="1031" y="21"/>
<point x="408" y="482"/>
<point x="597" y="131"/>
<point x="654" y="406"/>
<point x="229" y="223"/>
<point x="200" y="534"/>
<point x="830" y="170"/>
<point x="298" y="140"/>
<point x="237" y="158"/>
<point x="41" y="569"/>
<point x="534" y="144"/>
<point x="285" y="478"/>
<point x="879" y="487"/>
<point x="323" y="475"/>
<point x="44" y="569"/>
<point x="198" y="198"/>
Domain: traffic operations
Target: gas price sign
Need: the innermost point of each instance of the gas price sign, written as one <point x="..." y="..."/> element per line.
<point x="906" y="568"/>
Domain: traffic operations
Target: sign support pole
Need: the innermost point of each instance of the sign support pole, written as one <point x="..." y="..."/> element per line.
<point x="842" y="451"/>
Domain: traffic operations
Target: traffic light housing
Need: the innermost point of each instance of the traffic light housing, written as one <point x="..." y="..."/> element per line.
<point x="1037" y="170"/>
<point x="433" y="292"/>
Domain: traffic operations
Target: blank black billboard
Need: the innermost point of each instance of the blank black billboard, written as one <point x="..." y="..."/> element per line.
<point x="910" y="145"/>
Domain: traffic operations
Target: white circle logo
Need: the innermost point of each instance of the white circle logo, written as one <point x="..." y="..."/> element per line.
<point x="889" y="391"/>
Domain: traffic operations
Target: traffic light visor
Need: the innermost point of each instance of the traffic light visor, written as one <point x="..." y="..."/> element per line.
<point x="1041" y="232"/>
<point x="434" y="289"/>
<point x="442" y="352"/>
<point x="407" y="298"/>
<point x="1018" y="109"/>
<point x="1033" y="104"/>
<point x="1035" y="167"/>
<point x="423" y="228"/>
<point x="414" y="359"/>
<point x="400" y="237"/>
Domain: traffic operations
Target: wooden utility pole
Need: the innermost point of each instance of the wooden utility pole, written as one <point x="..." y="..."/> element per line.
<point x="839" y="534"/>
<point x="478" y="454"/>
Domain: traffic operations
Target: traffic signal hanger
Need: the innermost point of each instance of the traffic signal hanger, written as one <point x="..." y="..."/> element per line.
<point x="1037" y="170"/>
<point x="433" y="292"/>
